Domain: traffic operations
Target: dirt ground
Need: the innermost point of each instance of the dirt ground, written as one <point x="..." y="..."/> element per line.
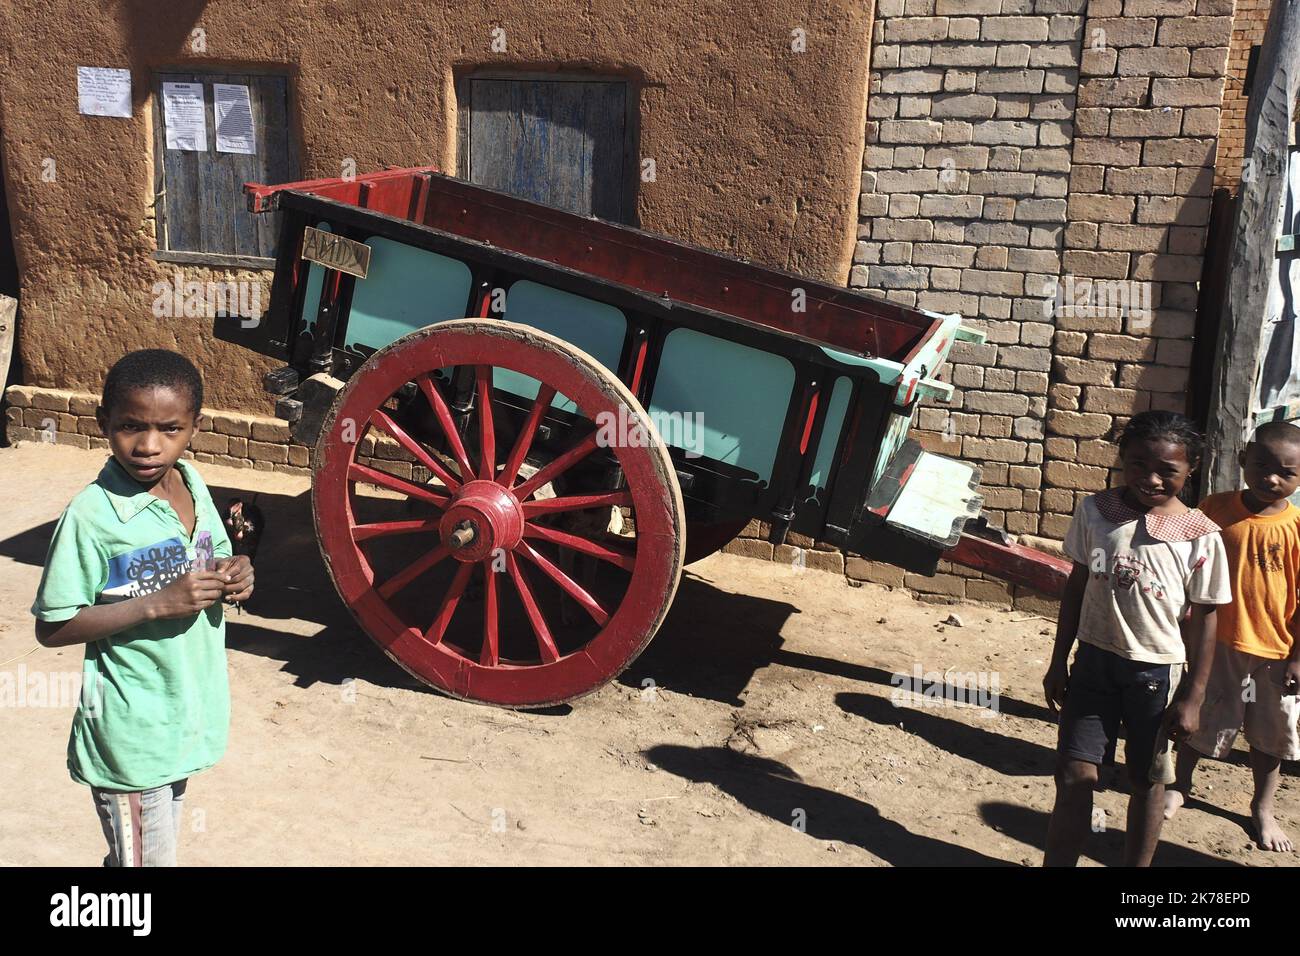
<point x="758" y="728"/>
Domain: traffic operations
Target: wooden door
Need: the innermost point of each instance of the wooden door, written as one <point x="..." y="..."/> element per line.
<point x="563" y="142"/>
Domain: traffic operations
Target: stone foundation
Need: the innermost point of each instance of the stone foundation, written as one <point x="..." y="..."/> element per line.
<point x="951" y="584"/>
<point x="63" y="417"/>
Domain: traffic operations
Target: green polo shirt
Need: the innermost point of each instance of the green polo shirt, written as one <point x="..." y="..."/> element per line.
<point x="155" y="701"/>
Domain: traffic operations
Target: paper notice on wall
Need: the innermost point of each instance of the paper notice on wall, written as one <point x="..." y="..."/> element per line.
<point x="234" y="114"/>
<point x="183" y="117"/>
<point x="102" y="91"/>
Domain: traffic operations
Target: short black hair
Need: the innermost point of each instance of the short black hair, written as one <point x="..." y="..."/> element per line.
<point x="152" y="368"/>
<point x="1169" y="426"/>
<point x="1277" y="433"/>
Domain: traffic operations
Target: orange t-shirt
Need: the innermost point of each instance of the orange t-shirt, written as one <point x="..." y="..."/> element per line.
<point x="1264" y="563"/>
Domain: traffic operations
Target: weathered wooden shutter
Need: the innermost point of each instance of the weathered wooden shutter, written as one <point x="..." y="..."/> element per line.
<point x="201" y="205"/>
<point x="561" y="142"/>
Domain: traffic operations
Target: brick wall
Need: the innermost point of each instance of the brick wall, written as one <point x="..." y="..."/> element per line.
<point x="63" y="417"/>
<point x="1020" y="147"/>
<point x="1248" y="22"/>
<point x="964" y="208"/>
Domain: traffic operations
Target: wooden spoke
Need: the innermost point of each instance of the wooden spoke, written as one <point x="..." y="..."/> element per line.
<point x="623" y="559"/>
<point x="439" y="626"/>
<point x="486" y="437"/>
<point x="382" y="529"/>
<point x="552" y="506"/>
<point x="559" y="466"/>
<point x="545" y="643"/>
<point x="490" y="656"/>
<point x="412" y="571"/>
<point x="385" y="421"/>
<point x="373" y="476"/>
<point x="570" y="587"/>
<point x="545" y="394"/>
<point x="440" y="410"/>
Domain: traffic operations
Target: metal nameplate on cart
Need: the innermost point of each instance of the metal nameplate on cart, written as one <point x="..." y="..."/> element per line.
<point x="335" y="252"/>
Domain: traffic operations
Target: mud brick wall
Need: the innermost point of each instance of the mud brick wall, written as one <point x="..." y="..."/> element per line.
<point x="64" y="417"/>
<point x="1248" y="22"/>
<point x="233" y="439"/>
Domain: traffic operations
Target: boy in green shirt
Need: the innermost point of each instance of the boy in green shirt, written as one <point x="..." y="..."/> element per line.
<point x="137" y="569"/>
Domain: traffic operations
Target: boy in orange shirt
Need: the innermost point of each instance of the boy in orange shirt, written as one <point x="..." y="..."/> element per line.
<point x="1256" y="675"/>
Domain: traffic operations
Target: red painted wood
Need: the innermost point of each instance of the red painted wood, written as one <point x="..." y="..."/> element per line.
<point x="640" y="366"/>
<point x="382" y="419"/>
<point x="606" y="499"/>
<point x="545" y="642"/>
<point x="560" y="465"/>
<point x="808" y="425"/>
<point x="443" y="413"/>
<point x="541" y="403"/>
<point x="261" y="198"/>
<point x="490" y="656"/>
<point x="590" y="548"/>
<point x="380" y="529"/>
<point x="1013" y="562"/>
<point x="487" y="442"/>
<point x="393" y="483"/>
<point x="413" y="571"/>
<point x="417" y="617"/>
<point x="651" y="263"/>
<point x="570" y="586"/>
<point x="450" y="601"/>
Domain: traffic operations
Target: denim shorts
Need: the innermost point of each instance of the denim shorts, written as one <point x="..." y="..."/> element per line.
<point x="142" y="828"/>
<point x="1106" y="691"/>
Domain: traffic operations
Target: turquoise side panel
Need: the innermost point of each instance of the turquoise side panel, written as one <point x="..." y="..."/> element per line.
<point x="888" y="371"/>
<point x="835" y="412"/>
<point x="596" y="328"/>
<point x="406" y="289"/>
<point x="315" y="279"/>
<point x="739" y="395"/>
<point x="895" y="435"/>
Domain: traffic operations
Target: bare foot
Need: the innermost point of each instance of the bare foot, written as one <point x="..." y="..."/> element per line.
<point x="1268" y="834"/>
<point x="1173" y="802"/>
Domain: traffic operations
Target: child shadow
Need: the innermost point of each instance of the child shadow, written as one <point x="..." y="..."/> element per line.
<point x="774" y="790"/>
<point x="30" y="546"/>
<point x="999" y="752"/>
<point x="1107" y="848"/>
<point x="1240" y="819"/>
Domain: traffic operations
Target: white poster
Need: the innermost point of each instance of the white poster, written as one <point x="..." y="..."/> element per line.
<point x="234" y="114"/>
<point x="183" y="117"/>
<point x="103" y="91"/>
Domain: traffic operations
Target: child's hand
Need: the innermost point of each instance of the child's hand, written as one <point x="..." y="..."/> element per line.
<point x="1054" y="682"/>
<point x="187" y="595"/>
<point x="1183" y="718"/>
<point x="238" y="572"/>
<point x="1291" y="679"/>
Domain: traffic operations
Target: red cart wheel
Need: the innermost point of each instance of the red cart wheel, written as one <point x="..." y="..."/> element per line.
<point x="562" y="607"/>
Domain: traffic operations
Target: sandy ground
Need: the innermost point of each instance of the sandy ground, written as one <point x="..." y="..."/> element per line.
<point x="767" y="736"/>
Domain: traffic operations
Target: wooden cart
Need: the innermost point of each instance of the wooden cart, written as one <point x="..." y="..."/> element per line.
<point x="526" y="422"/>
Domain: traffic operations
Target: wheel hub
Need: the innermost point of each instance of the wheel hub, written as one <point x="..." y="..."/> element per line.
<point x="482" y="517"/>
